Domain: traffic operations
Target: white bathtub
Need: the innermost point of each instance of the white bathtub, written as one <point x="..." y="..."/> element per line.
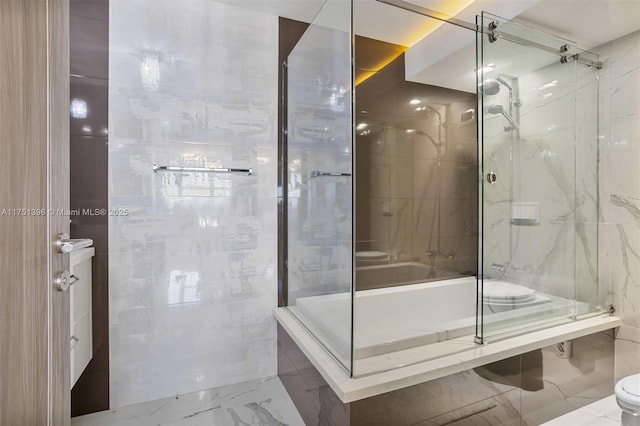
<point x="396" y="274"/>
<point x="391" y="319"/>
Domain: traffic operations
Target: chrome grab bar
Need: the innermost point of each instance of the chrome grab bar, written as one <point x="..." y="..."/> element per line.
<point x="317" y="173"/>
<point x="157" y="168"/>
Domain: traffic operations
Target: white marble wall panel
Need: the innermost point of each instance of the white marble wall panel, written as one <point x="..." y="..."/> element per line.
<point x="627" y="350"/>
<point x="619" y="187"/>
<point x="193" y="266"/>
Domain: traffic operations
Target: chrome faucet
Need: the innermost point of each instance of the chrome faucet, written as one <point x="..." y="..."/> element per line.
<point x="500" y="267"/>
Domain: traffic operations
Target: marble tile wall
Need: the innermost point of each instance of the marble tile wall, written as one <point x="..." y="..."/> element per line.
<point x="619" y="215"/>
<point x="193" y="260"/>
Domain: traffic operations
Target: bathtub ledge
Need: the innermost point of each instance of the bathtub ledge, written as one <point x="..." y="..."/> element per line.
<point x="469" y="356"/>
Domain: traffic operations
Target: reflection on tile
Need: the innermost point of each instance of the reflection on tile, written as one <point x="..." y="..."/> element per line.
<point x="502" y="409"/>
<point x="433" y="401"/>
<point x="192" y="264"/>
<point x="605" y="412"/>
<point x="312" y="396"/>
<point x="263" y="402"/>
<point x="89" y="107"/>
<point x="92" y="9"/>
<point x="571" y="383"/>
<point x="89" y="51"/>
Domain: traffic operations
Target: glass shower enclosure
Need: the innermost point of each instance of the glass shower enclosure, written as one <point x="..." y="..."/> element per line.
<point x="319" y="181"/>
<point x="537" y="174"/>
<point x="538" y="152"/>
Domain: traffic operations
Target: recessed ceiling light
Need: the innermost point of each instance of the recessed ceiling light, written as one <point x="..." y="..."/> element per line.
<point x="361" y="126"/>
<point x="411" y="130"/>
<point x="415" y="101"/>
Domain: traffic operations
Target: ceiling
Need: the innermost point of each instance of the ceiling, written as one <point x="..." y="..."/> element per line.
<point x="435" y="49"/>
<point x="587" y="22"/>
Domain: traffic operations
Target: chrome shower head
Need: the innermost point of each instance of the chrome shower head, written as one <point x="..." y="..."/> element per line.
<point x="490" y="87"/>
<point x="499" y="109"/>
<point x="496" y="109"/>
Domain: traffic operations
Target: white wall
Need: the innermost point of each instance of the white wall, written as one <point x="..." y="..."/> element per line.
<point x="619" y="230"/>
<point x="193" y="266"/>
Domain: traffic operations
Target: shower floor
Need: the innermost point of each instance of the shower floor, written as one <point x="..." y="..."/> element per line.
<point x="263" y="402"/>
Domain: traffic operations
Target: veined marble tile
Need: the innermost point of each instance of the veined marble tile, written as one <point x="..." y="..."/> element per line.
<point x="605" y="412"/>
<point x="627" y="361"/>
<point x="263" y="402"/>
<point x="571" y="383"/>
<point x="619" y="182"/>
<point x="503" y="409"/>
<point x="192" y="267"/>
<point x="624" y="256"/>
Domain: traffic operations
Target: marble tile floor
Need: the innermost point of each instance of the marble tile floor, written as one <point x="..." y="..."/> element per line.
<point x="601" y="413"/>
<point x="256" y="402"/>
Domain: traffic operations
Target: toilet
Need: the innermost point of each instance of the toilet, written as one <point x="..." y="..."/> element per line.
<point x="628" y="398"/>
<point x="371" y="258"/>
<point x="501" y="296"/>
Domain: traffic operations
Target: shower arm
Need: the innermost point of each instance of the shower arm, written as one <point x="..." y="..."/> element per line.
<point x="439" y="123"/>
<point x="514" y="123"/>
<point x="511" y="121"/>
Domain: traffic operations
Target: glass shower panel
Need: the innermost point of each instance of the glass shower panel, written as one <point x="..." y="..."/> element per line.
<point x="538" y="160"/>
<point x="319" y="179"/>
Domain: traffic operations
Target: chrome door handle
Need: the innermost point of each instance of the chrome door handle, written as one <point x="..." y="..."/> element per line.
<point x="62" y="281"/>
<point x="65" y="245"/>
<point x="492" y="177"/>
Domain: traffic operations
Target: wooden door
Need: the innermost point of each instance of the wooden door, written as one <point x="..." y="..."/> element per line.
<point x="34" y="197"/>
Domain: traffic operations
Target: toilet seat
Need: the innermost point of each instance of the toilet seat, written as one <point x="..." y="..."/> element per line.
<point x="502" y="292"/>
<point x="628" y="394"/>
<point x="371" y="255"/>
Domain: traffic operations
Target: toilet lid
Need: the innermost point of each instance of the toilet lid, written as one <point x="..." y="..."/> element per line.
<point x="632" y="385"/>
<point x="628" y="393"/>
<point x="502" y="291"/>
<point x="371" y="255"/>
